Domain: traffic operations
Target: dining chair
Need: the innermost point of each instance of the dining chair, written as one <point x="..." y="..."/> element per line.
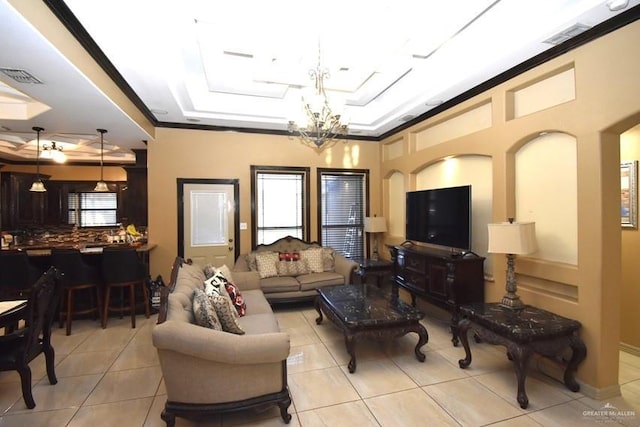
<point x="78" y="276"/>
<point x="122" y="268"/>
<point x="20" y="347"/>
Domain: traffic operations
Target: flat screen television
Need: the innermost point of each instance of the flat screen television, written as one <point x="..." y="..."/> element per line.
<point x="440" y="217"/>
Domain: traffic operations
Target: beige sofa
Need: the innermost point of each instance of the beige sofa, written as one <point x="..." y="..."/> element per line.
<point x="207" y="371"/>
<point x="288" y="286"/>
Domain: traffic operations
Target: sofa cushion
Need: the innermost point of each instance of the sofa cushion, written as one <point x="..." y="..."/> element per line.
<point x="293" y="268"/>
<point x="189" y="277"/>
<point x="266" y="262"/>
<point x="226" y="313"/>
<point x="317" y="280"/>
<point x="256" y="302"/>
<point x="204" y="313"/>
<point x="313" y="256"/>
<point x="279" y="284"/>
<point x="263" y="323"/>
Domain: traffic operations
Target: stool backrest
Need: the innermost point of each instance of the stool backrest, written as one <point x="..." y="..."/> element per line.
<point x="122" y="265"/>
<point x="73" y="266"/>
<point x="17" y="273"/>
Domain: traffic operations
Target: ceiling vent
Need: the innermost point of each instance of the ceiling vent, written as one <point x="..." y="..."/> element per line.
<point x="567" y="34"/>
<point x="21" y="76"/>
<point x="407" y="117"/>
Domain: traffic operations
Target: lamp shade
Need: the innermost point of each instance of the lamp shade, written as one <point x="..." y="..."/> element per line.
<point x="375" y="224"/>
<point x="518" y="238"/>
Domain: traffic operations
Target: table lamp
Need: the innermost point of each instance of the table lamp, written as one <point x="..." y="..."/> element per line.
<point x="512" y="238"/>
<point x="374" y="225"/>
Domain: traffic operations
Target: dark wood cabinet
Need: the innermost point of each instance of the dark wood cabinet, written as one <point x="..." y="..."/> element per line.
<point x="135" y="196"/>
<point x="21" y="207"/>
<point x="441" y="277"/>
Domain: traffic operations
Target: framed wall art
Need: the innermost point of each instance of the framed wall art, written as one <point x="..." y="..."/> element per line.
<point x="629" y="194"/>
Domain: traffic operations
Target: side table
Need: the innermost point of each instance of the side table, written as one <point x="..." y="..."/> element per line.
<point x="379" y="269"/>
<point x="523" y="332"/>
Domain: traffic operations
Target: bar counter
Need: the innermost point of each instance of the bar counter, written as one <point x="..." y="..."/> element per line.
<point x="38" y="250"/>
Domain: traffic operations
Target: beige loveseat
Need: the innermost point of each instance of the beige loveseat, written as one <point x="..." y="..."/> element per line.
<point x="208" y="371"/>
<point x="285" y="284"/>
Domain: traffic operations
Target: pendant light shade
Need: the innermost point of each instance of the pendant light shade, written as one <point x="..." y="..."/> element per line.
<point x="101" y="186"/>
<point x="37" y="186"/>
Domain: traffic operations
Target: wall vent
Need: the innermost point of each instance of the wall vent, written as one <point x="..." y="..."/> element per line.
<point x="21" y="76"/>
<point x="567" y="34"/>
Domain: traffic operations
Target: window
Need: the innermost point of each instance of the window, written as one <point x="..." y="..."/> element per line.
<point x="343" y="206"/>
<point x="93" y="209"/>
<point x="280" y="203"/>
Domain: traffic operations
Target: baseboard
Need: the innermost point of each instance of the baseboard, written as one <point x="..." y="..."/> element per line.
<point x="627" y="348"/>
<point x="555" y="370"/>
<point x="599" y="393"/>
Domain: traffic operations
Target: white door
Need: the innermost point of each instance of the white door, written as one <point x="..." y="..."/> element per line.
<point x="208" y="222"/>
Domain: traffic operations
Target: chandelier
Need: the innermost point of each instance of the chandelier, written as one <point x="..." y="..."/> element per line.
<point x="101" y="186"/>
<point x="53" y="152"/>
<point x="38" y="186"/>
<point x="319" y="124"/>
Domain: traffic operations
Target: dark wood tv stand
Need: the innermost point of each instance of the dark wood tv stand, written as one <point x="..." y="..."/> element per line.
<point x="442" y="277"/>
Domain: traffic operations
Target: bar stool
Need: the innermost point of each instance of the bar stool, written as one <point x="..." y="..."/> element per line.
<point x="78" y="275"/>
<point x="17" y="274"/>
<point x="122" y="268"/>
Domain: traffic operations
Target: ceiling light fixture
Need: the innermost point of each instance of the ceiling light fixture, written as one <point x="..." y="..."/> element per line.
<point x="318" y="124"/>
<point x="615" y="5"/>
<point x="101" y="186"/>
<point x="53" y="152"/>
<point x="38" y="186"/>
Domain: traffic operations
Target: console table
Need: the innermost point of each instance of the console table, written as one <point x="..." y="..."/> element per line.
<point x="523" y="332"/>
<point x="442" y="277"/>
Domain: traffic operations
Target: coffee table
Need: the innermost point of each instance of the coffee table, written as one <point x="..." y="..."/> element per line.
<point x="364" y="311"/>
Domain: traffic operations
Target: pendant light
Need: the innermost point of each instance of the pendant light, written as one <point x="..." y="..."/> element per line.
<point x="38" y="186"/>
<point x="101" y="186"/>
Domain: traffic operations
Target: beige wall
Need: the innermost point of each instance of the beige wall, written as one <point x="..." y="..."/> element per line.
<point x="630" y="322"/>
<point x="179" y="153"/>
<point x="604" y="81"/>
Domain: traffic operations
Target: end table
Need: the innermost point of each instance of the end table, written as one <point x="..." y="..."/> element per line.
<point x="376" y="268"/>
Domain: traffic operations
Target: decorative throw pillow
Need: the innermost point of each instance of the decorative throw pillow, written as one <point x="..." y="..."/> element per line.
<point x="204" y="312"/>
<point x="209" y="270"/>
<point x="313" y="256"/>
<point x="289" y="256"/>
<point x="251" y="261"/>
<point x="236" y="299"/>
<point x="227" y="314"/>
<point x="293" y="268"/>
<point x="328" y="259"/>
<point x="215" y="284"/>
<point x="266" y="262"/>
<point x="225" y="271"/>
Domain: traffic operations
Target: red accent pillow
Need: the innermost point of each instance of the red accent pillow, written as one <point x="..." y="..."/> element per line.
<point x="236" y="298"/>
<point x="289" y="256"/>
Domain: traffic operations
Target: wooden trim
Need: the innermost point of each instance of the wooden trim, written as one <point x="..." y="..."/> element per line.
<point x="236" y="196"/>
<point x="306" y="197"/>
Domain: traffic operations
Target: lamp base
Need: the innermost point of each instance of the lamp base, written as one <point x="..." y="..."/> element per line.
<point x="512" y="302"/>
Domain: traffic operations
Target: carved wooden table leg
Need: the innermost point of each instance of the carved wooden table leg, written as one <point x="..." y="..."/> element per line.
<point x="422" y="340"/>
<point x="579" y="351"/>
<point x="316" y="304"/>
<point x="521" y="356"/>
<point x="463" y="328"/>
<point x="349" y="340"/>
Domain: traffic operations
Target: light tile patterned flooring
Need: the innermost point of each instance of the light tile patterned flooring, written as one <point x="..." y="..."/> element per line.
<point x="112" y="377"/>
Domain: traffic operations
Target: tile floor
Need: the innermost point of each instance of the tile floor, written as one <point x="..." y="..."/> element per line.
<point x="112" y="377"/>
